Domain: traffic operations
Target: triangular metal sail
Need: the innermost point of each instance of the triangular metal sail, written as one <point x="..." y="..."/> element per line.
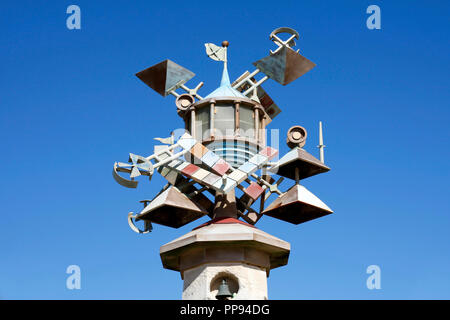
<point x="307" y="165"/>
<point x="165" y="76"/>
<point x="172" y="208"/>
<point x="284" y="66"/>
<point x="297" y="205"/>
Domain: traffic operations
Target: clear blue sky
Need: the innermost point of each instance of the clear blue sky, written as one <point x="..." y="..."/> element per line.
<point x="71" y="106"/>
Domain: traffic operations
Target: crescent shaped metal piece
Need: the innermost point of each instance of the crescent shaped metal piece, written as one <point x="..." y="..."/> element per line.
<point x="284" y="30"/>
<point x="136" y="229"/>
<point x="122" y="181"/>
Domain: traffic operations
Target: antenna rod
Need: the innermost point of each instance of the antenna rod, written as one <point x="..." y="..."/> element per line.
<point x="225" y="45"/>
<point x="321" y="145"/>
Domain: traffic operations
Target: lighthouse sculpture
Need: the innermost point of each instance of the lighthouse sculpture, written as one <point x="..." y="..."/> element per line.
<point x="220" y="166"/>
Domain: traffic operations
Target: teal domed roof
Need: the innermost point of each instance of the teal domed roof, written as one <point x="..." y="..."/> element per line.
<point x="225" y="89"/>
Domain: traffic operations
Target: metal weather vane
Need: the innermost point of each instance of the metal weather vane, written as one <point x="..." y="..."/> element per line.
<point x="205" y="168"/>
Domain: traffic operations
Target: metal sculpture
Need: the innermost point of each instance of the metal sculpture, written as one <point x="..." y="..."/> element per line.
<point x="205" y="168"/>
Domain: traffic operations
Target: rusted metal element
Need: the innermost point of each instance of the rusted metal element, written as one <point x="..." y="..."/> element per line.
<point x="298" y="158"/>
<point x="183" y="102"/>
<point x="284" y="66"/>
<point x="225" y="205"/>
<point x="296" y="137"/>
<point x="296" y="206"/>
<point x="172" y="208"/>
<point x="165" y="76"/>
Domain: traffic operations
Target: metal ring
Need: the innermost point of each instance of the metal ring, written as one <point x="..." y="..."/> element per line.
<point x="284" y="30"/>
<point x="184" y="101"/>
<point x="296" y="136"/>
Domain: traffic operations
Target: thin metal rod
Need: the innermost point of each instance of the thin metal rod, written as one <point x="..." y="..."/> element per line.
<point x="167" y="160"/>
<point x="321" y="145"/>
<point x="265" y="183"/>
<point x="196" y="192"/>
<point x="283" y="43"/>
<point x="193" y="91"/>
<point x="256" y="85"/>
<point x="172" y="92"/>
<point x="237" y="85"/>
